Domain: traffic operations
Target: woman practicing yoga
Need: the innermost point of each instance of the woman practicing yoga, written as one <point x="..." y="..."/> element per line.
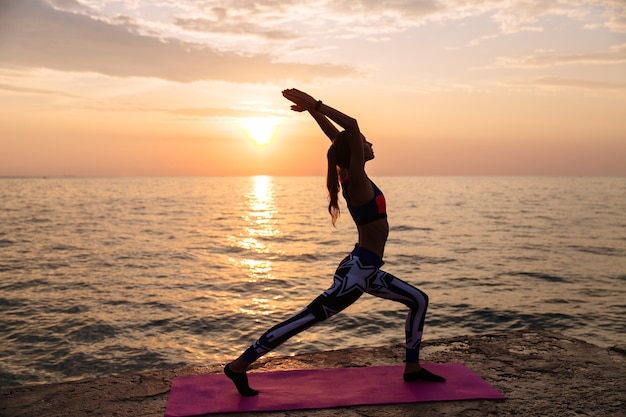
<point x="359" y="271"/>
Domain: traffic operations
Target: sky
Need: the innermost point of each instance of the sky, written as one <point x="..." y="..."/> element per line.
<point x="193" y="87"/>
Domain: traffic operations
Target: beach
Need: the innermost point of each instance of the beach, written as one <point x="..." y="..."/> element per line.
<point x="541" y="374"/>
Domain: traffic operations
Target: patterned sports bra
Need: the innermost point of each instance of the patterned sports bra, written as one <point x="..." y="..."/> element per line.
<point x="373" y="210"/>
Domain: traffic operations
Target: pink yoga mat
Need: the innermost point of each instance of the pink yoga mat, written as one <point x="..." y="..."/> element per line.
<point x="323" y="388"/>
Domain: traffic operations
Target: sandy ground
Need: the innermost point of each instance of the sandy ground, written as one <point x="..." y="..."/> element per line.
<point x="541" y="373"/>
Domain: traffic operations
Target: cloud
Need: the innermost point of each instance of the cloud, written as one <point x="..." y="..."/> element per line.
<point x="257" y="42"/>
<point x="614" y="55"/>
<point x="615" y="14"/>
<point x="26" y="90"/>
<point x="549" y="82"/>
<point x="515" y="16"/>
<point x="33" y="34"/>
<point x="188" y="113"/>
<point x="511" y="16"/>
<point x="222" y="113"/>
<point x="234" y="27"/>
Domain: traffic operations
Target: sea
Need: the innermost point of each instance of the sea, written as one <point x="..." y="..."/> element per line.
<point x="103" y="276"/>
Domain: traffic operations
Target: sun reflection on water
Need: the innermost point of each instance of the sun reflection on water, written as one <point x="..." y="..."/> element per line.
<point x="259" y="216"/>
<point x="257" y="269"/>
<point x="260" y="225"/>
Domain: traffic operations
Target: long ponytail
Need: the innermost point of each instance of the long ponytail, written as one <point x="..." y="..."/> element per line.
<point x="338" y="155"/>
<point x="332" y="184"/>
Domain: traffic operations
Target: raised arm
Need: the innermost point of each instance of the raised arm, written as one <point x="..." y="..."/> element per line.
<point x="321" y="113"/>
<point x="326" y="125"/>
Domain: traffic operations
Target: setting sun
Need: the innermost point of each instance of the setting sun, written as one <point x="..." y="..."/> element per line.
<point x="260" y="129"/>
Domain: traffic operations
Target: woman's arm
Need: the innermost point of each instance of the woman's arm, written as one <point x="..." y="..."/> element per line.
<point x="326" y="125"/>
<point x="303" y="101"/>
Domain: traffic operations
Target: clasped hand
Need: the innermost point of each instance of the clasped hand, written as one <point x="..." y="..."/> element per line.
<point x="302" y="101"/>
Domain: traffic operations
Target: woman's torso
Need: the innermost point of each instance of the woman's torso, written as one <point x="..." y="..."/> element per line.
<point x="370" y="217"/>
<point x="373" y="236"/>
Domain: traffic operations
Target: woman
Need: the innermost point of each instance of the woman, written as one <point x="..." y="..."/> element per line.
<point x="359" y="272"/>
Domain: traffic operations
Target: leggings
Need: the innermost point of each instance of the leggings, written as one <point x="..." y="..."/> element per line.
<point x="359" y="272"/>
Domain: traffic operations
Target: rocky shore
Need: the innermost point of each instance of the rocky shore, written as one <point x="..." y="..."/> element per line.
<point x="541" y="373"/>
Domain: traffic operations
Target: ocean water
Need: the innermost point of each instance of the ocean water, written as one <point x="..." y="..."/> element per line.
<point x="116" y="275"/>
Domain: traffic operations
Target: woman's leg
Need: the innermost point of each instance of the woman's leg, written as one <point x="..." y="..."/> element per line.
<point x="271" y="339"/>
<point x="346" y="289"/>
<point x="387" y="286"/>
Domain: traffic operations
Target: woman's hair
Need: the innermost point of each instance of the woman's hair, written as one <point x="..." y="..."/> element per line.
<point x="338" y="156"/>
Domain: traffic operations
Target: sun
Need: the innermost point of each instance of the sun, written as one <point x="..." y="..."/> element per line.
<point x="260" y="129"/>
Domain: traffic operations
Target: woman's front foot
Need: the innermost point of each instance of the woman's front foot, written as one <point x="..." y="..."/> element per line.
<point x="414" y="372"/>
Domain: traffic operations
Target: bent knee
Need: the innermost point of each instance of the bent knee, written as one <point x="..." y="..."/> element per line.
<point x="420" y="299"/>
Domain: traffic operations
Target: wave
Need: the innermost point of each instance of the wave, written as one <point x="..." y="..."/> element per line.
<point x="538" y="275"/>
<point x="121" y="275"/>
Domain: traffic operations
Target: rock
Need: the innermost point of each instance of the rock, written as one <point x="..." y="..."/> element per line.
<point x="541" y="373"/>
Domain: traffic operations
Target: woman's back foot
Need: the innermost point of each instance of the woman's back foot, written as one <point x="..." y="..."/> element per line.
<point x="241" y="382"/>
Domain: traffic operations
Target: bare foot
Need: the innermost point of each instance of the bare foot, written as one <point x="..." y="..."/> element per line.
<point x="240" y="379"/>
<point x="414" y="372"/>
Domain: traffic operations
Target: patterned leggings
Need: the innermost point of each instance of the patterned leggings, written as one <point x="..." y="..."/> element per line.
<point x="357" y="273"/>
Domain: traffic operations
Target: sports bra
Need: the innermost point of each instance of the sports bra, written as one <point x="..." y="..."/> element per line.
<point x="373" y="210"/>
